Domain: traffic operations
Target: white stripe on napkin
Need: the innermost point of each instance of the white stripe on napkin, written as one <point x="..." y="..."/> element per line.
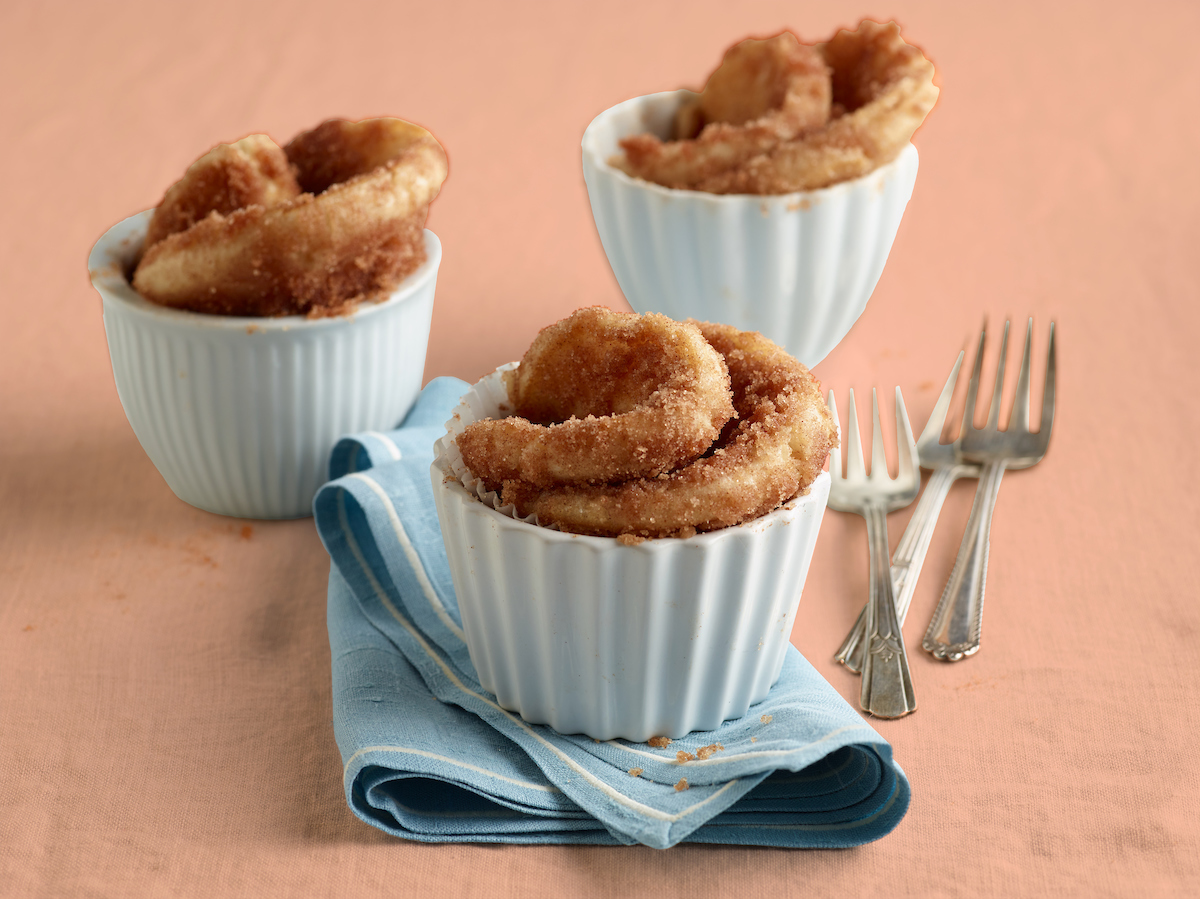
<point x="723" y="758"/>
<point x="387" y="442"/>
<point x="442" y="758"/>
<point x="410" y="553"/>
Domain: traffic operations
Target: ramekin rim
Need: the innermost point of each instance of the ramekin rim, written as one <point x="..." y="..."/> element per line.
<point x="106" y="270"/>
<point x="592" y="156"/>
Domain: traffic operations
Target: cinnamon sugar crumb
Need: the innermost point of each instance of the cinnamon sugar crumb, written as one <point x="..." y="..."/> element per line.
<point x="682" y="785"/>
<point x="635" y="772"/>
<point x="630" y="539"/>
<point x="767" y="719"/>
<point x="659" y="742"/>
<point x="705" y="751"/>
<point x="682" y="757"/>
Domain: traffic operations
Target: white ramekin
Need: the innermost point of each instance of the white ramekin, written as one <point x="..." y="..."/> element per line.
<point x="239" y="415"/>
<point x="591" y="636"/>
<point x="797" y="267"/>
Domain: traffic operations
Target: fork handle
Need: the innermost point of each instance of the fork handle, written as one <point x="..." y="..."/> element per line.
<point x="909" y="556"/>
<point x="954" y="631"/>
<point x="887" y="690"/>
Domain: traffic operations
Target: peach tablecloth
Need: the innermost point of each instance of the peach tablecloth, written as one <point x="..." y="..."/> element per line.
<point x="164" y="673"/>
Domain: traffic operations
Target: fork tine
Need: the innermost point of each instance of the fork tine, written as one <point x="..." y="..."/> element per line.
<point x="1019" y="419"/>
<point x="879" y="467"/>
<point x="937" y="418"/>
<point x="973" y="385"/>
<point x="835" y="454"/>
<point x="855" y="467"/>
<point x="998" y="391"/>
<point x="1048" y="391"/>
<point x="906" y="447"/>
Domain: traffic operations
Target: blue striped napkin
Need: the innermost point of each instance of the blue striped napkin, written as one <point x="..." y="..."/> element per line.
<point x="429" y="755"/>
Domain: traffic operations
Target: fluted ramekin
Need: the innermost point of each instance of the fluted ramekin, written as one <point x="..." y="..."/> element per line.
<point x="595" y="637"/>
<point x="797" y="267"/>
<point x="239" y="415"/>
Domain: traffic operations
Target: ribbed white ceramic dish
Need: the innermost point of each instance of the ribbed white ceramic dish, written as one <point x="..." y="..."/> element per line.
<point x="594" y="637"/>
<point x="239" y="415"/>
<point x="797" y="267"/>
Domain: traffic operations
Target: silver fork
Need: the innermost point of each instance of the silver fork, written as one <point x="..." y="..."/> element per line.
<point x="909" y="557"/>
<point x="954" y="632"/>
<point x="887" y="690"/>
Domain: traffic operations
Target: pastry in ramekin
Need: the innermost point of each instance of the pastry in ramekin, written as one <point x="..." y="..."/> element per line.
<point x="634" y="634"/>
<point x="276" y="300"/>
<point x="770" y="200"/>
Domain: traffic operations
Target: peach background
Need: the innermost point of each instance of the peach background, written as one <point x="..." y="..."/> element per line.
<point x="164" y="673"/>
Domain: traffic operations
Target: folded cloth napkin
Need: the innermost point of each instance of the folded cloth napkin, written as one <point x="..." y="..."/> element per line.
<point x="429" y="755"/>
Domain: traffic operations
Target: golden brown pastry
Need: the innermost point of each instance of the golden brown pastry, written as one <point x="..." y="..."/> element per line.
<point x="880" y="90"/>
<point x="771" y="450"/>
<point x="354" y="234"/>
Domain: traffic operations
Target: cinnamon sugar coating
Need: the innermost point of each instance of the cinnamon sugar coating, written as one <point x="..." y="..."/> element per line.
<point x="604" y="396"/>
<point x="354" y="234"/>
<point x="253" y="171"/>
<point x="878" y="89"/>
<point x="763" y="93"/>
<point x="771" y="451"/>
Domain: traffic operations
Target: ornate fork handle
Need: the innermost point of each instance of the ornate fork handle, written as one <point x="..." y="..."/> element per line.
<point x="954" y="632"/>
<point x="909" y="557"/>
<point x="887" y="690"/>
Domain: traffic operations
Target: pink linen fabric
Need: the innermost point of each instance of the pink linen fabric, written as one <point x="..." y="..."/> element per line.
<point x="164" y="673"/>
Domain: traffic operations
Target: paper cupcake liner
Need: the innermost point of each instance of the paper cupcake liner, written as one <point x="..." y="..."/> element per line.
<point x="797" y="267"/>
<point x="591" y="636"/>
<point x="239" y="415"/>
